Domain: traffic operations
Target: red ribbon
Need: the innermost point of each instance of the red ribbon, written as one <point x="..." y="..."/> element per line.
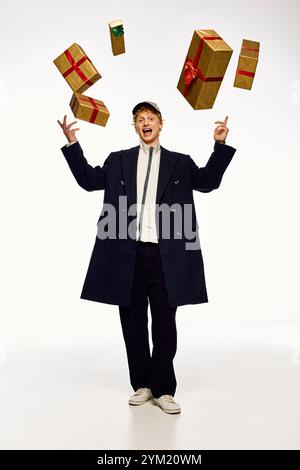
<point x="75" y="66"/>
<point x="95" y="104"/>
<point x="190" y="67"/>
<point x="244" y="72"/>
<point x="250" y="49"/>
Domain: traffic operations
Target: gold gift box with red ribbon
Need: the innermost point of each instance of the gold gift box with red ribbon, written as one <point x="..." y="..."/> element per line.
<point x="247" y="64"/>
<point x="204" y="68"/>
<point x="88" y="109"/>
<point x="77" y="69"/>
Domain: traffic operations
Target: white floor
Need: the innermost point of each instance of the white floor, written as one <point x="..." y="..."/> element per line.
<point x="76" y="397"/>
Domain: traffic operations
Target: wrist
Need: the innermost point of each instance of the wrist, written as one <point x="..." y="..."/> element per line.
<point x="221" y="141"/>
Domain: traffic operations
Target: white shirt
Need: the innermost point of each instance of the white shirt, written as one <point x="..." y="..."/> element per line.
<point x="148" y="227"/>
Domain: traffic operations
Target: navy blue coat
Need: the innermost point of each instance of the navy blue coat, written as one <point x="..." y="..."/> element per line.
<point x="110" y="272"/>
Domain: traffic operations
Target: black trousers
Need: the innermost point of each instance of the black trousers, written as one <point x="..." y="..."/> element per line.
<point x="156" y="371"/>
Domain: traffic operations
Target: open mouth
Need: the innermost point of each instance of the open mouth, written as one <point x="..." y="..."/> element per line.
<point x="147" y="131"/>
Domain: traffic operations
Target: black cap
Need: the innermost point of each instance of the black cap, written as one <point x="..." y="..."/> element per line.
<point x="148" y="104"/>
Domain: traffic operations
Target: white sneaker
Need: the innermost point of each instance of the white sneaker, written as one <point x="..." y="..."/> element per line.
<point x="167" y="404"/>
<point x="140" y="396"/>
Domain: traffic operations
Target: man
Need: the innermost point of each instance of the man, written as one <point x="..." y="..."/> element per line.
<point x="136" y="262"/>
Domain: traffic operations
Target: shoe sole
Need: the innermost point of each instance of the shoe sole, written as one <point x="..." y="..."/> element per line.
<point x="174" y="411"/>
<point x="134" y="403"/>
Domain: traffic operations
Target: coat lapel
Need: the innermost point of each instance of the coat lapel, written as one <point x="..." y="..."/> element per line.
<point x="129" y="165"/>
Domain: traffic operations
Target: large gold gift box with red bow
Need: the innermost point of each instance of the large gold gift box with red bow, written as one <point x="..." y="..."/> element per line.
<point x="77" y="69"/>
<point x="88" y="109"/>
<point x="247" y="64"/>
<point x="204" y="68"/>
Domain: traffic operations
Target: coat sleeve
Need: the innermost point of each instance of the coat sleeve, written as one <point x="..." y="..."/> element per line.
<point x="88" y="177"/>
<point x="209" y="177"/>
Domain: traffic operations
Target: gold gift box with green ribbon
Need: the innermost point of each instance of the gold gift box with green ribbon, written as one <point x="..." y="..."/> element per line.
<point x="116" y="29"/>
<point x="204" y="68"/>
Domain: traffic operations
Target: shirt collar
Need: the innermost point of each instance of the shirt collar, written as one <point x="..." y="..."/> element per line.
<point x="146" y="147"/>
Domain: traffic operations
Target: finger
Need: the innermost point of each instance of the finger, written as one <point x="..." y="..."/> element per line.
<point x="222" y="122"/>
<point x="77" y="129"/>
<point x="74" y="122"/>
<point x="59" y="123"/>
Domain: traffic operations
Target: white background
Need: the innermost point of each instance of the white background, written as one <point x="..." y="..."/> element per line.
<point x="249" y="227"/>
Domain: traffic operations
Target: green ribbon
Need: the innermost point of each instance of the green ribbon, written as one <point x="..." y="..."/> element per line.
<point x="118" y="31"/>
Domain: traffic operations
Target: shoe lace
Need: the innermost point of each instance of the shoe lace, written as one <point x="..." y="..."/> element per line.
<point x="169" y="398"/>
<point x="139" y="391"/>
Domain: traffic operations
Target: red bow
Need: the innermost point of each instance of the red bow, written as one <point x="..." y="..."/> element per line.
<point x="190" y="72"/>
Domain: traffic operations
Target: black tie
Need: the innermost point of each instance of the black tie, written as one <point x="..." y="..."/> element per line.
<point x="145" y="189"/>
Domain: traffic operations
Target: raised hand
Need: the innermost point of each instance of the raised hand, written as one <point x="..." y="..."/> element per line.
<point x="221" y="131"/>
<point x="69" y="133"/>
